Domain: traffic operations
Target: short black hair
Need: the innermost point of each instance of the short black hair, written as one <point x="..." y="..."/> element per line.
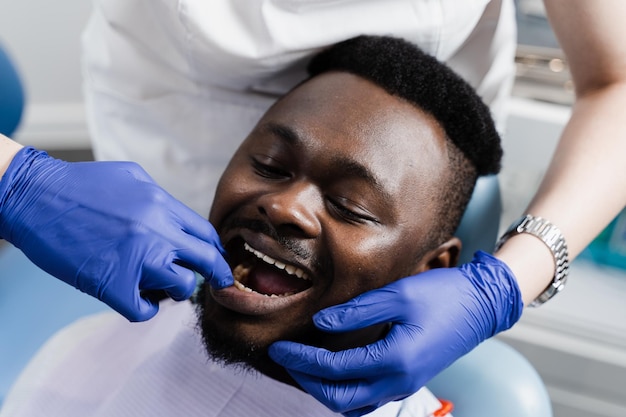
<point x="402" y="69"/>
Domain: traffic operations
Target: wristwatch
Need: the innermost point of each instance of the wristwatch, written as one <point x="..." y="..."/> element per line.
<point x="553" y="238"/>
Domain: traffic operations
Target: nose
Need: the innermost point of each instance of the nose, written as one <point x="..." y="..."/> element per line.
<point x="293" y="209"/>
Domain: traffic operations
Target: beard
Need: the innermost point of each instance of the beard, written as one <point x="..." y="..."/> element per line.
<point x="218" y="326"/>
<point x="228" y="347"/>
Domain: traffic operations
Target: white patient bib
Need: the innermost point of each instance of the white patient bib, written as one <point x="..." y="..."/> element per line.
<point x="105" y="366"/>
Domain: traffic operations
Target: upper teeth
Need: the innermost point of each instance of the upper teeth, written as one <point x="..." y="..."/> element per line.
<point x="291" y="270"/>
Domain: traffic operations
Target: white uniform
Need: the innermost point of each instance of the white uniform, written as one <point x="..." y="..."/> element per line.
<point x="176" y="85"/>
<point x="104" y="366"/>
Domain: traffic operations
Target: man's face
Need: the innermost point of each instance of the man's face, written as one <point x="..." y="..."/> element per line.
<point x="331" y="195"/>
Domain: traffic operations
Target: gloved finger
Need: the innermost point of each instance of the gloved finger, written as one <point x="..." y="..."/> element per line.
<point x="134" y="169"/>
<point x="187" y="286"/>
<point x="372" y="307"/>
<point x="197" y="226"/>
<point x="177" y="281"/>
<point x="140" y="309"/>
<point x="339" y="396"/>
<point x="360" y="411"/>
<point x="209" y="262"/>
<point x="189" y="221"/>
<point x="336" y="366"/>
<point x="332" y="395"/>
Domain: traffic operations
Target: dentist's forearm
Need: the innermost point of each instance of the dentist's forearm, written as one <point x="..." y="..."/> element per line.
<point x="582" y="191"/>
<point x="8" y="149"/>
<point x="585" y="185"/>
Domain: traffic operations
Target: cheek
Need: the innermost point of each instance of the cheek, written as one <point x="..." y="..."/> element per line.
<point x="235" y="187"/>
<point x="365" y="262"/>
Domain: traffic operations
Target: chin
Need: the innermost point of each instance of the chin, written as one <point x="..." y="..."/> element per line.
<point x="232" y="338"/>
<point x="223" y="342"/>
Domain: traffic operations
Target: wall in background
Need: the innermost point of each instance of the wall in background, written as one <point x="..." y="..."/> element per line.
<point x="43" y="38"/>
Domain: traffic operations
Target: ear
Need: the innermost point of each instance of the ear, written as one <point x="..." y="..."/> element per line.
<point x="444" y="256"/>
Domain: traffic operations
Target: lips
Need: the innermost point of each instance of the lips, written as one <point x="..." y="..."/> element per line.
<point x="263" y="284"/>
<point x="269" y="276"/>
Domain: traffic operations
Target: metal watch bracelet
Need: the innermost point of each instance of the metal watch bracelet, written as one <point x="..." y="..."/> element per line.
<point x="552" y="237"/>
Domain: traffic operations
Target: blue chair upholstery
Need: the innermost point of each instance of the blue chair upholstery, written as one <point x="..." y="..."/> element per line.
<point x="493" y="380"/>
<point x="11" y="95"/>
<point x="480" y="223"/>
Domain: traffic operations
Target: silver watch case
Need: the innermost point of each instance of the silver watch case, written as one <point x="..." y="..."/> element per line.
<point x="553" y="238"/>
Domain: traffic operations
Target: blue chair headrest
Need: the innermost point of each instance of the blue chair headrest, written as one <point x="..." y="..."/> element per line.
<point x="11" y="95"/>
<point x="480" y="224"/>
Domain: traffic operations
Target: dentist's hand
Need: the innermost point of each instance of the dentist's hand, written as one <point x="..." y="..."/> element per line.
<point x="107" y="229"/>
<point x="437" y="316"/>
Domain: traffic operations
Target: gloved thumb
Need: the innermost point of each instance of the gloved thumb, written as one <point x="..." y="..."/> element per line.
<point x="372" y="307"/>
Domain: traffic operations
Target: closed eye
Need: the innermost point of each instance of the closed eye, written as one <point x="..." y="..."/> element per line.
<point x="347" y="214"/>
<point x="269" y="171"/>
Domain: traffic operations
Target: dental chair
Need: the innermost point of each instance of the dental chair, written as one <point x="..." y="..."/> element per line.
<point x="493" y="380"/>
<point x="11" y="95"/>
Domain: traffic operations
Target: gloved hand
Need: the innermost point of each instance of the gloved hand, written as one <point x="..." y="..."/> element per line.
<point x="107" y="229"/>
<point x="437" y="317"/>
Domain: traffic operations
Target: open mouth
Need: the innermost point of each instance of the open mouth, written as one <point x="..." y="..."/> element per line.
<point x="257" y="272"/>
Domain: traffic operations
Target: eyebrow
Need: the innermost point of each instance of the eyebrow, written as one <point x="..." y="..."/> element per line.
<point x="284" y="132"/>
<point x="345" y="167"/>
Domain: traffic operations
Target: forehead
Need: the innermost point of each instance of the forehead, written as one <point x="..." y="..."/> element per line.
<point x="342" y="114"/>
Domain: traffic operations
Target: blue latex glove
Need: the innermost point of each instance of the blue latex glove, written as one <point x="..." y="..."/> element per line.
<point x="438" y="316"/>
<point x="107" y="229"/>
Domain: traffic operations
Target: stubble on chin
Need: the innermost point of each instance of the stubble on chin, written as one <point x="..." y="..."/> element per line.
<point x="224" y="345"/>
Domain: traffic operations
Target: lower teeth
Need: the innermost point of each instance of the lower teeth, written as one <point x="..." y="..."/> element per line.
<point x="242" y="287"/>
